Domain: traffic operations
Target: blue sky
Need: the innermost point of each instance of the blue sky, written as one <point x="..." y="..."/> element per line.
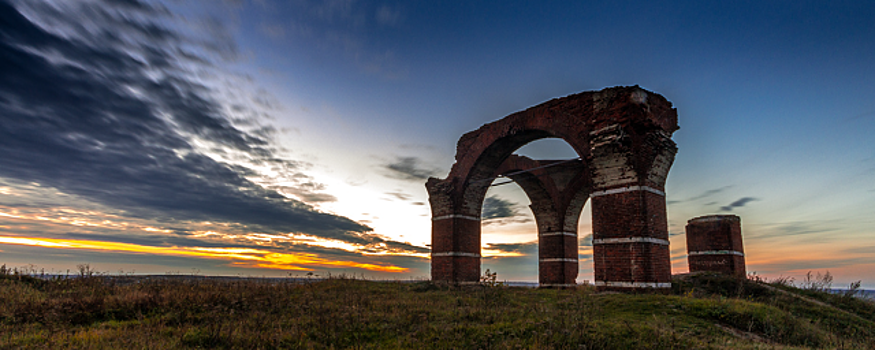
<point x="273" y="138"/>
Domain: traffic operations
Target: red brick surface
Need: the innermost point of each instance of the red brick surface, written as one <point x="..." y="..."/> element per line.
<point x="715" y="233"/>
<point x="622" y="135"/>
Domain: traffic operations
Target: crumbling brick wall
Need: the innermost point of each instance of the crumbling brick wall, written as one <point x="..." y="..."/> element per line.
<point x="623" y="137"/>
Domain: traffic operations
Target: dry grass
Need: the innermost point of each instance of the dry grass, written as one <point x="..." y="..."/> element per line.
<point x="706" y="312"/>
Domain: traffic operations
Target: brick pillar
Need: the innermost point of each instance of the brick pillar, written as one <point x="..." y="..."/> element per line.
<point x="557" y="249"/>
<point x="455" y="236"/>
<point x="630" y="229"/>
<point x="557" y="258"/>
<point x="714" y="244"/>
<point x="557" y="193"/>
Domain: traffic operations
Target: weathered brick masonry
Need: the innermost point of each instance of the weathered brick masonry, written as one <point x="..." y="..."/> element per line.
<point x="714" y="244"/>
<point x="623" y="137"/>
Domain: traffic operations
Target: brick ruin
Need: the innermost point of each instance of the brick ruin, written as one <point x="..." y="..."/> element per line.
<point x="623" y="138"/>
<point x="714" y="245"/>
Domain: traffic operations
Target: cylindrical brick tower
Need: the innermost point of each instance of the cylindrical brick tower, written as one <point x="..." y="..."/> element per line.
<point x="714" y="244"/>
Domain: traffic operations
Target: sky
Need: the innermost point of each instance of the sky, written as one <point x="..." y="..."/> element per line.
<point x="287" y="138"/>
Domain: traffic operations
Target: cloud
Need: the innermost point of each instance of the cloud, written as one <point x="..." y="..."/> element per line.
<point x="527" y="248"/>
<point x="400" y="195"/>
<point x="706" y="194"/>
<point x="409" y="168"/>
<point x="586" y="241"/>
<point x="738" y="203"/>
<point x="796" y="228"/>
<point x="498" y="211"/>
<point x="865" y="250"/>
<point x="104" y="101"/>
<point x="497" y="208"/>
<point x="710" y="193"/>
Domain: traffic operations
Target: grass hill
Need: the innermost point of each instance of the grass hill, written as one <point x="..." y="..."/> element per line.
<point x="702" y="312"/>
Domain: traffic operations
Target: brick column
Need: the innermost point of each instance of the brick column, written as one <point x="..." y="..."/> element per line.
<point x="557" y="258"/>
<point x="455" y="236"/>
<point x="630" y="230"/>
<point x="714" y="244"/>
<point x="558" y="190"/>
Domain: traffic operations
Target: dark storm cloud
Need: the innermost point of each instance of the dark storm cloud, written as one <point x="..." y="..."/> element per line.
<point x="409" y="168"/>
<point x="738" y="203"/>
<point x="497" y="208"/>
<point x="99" y="100"/>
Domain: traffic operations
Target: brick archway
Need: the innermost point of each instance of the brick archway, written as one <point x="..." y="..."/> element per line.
<point x="623" y="138"/>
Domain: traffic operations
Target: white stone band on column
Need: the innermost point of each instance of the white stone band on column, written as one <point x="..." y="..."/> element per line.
<point x="626" y="189"/>
<point x="558" y="259"/>
<point x="470" y="255"/>
<point x="632" y="284"/>
<point x="716" y="252"/>
<point x="630" y="240"/>
<point x="559" y="233"/>
<point x="455" y="216"/>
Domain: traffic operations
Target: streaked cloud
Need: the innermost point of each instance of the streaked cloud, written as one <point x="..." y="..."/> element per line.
<point x="105" y="101"/>
<point x="499" y="211"/>
<point x="409" y="168"/>
<point x="710" y="193"/>
<point x="738" y="203"/>
<point x="510" y="249"/>
<point x="399" y="195"/>
<point x="496" y="208"/>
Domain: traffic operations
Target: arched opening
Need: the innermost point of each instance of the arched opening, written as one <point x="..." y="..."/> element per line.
<point x="547" y="148"/>
<point x="622" y="140"/>
<point x="509" y="233"/>
<point x="556" y="191"/>
<point x="508" y="226"/>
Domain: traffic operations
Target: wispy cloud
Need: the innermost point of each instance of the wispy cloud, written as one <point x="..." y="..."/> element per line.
<point x="409" y="168"/>
<point x="796" y="228"/>
<point x="510" y="249"/>
<point x="498" y="211"/>
<point x="586" y="241"/>
<point x="496" y="208"/>
<point x="738" y="203"/>
<point x="399" y="195"/>
<point x="710" y="193"/>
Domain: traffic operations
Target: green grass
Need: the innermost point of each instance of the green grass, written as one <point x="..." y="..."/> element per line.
<point x="708" y="312"/>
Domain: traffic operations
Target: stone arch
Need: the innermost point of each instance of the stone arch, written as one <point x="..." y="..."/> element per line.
<point x="622" y="136"/>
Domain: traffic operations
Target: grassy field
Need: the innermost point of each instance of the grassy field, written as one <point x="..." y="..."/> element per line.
<point x="708" y="312"/>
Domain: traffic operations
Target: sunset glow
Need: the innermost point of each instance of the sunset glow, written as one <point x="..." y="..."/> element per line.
<point x="240" y="257"/>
